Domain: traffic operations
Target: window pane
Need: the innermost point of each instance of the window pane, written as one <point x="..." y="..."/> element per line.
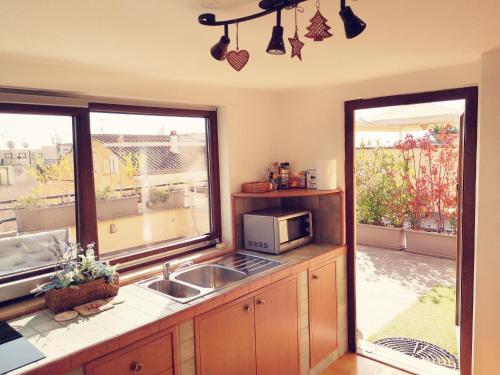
<point x="37" y="201"/>
<point x="151" y="180"/>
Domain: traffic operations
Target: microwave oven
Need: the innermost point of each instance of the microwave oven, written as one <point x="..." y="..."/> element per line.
<point x="277" y="230"/>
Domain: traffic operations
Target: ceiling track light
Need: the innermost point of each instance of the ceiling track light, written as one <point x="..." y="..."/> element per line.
<point x="219" y="50"/>
<point x="353" y="25"/>
<point x="276" y="45"/>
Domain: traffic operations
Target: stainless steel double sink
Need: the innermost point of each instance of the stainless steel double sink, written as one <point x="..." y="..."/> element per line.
<point x="197" y="281"/>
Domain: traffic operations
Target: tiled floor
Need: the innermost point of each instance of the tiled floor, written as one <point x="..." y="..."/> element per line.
<point x="353" y="364"/>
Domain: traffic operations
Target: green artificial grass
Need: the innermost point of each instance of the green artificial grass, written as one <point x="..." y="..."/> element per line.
<point x="431" y="319"/>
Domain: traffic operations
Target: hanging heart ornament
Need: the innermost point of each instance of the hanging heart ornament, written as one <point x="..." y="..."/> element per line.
<point x="238" y="59"/>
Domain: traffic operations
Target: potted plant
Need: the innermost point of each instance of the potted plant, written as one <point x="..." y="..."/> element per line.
<point x="33" y="213"/>
<point x="79" y="278"/>
<point x="431" y="173"/>
<point x="111" y="204"/>
<point x="438" y="132"/>
<point x="40" y="211"/>
<point x="165" y="198"/>
<point x="380" y="199"/>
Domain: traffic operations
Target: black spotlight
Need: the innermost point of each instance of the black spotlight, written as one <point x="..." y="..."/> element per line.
<point x="218" y="51"/>
<point x="353" y="24"/>
<point x="277" y="44"/>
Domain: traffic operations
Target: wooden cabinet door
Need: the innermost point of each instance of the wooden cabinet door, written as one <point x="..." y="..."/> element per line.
<point x="276" y="330"/>
<point x="225" y="340"/>
<point x="151" y="356"/>
<point x="322" y="312"/>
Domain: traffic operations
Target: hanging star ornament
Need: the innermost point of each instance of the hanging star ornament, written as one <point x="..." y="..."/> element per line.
<point x="297" y="45"/>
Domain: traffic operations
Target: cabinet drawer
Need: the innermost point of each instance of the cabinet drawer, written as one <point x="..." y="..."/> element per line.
<point x="151" y="356"/>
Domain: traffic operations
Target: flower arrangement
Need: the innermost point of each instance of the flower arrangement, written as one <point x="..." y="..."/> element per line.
<point x="76" y="266"/>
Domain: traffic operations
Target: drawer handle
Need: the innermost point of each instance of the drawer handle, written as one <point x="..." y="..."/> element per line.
<point x="315" y="277"/>
<point x="136" y="367"/>
<point x="248" y="308"/>
<point x="261" y="301"/>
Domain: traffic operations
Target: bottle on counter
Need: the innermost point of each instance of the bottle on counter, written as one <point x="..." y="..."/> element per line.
<point x="284" y="175"/>
<point x="293" y="180"/>
<point x="273" y="178"/>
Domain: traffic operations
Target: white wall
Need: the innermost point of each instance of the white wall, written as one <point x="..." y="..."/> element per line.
<point x="312" y="127"/>
<point x="245" y="116"/>
<point x="312" y="120"/>
<point x="487" y="304"/>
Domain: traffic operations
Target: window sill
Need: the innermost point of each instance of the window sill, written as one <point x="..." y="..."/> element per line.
<point x="31" y="305"/>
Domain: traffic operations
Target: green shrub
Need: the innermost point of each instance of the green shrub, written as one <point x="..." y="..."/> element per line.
<point x="158" y="194"/>
<point x="106" y="194"/>
<point x="381" y="193"/>
<point x="30" y="200"/>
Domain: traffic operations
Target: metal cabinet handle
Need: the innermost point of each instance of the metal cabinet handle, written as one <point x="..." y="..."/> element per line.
<point x="315" y="277"/>
<point x="248" y="308"/>
<point x="261" y="301"/>
<point x="136" y="367"/>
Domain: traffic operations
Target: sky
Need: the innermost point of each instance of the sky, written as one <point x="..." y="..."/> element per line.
<point x="115" y="123"/>
<point x="38" y="130"/>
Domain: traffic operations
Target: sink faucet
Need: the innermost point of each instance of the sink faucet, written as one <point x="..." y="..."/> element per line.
<point x="167" y="268"/>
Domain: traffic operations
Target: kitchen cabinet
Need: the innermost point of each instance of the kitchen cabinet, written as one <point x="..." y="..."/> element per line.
<point x="225" y="340"/>
<point x="322" y="312"/>
<point x="258" y="335"/>
<point x="276" y="330"/>
<point x="151" y="356"/>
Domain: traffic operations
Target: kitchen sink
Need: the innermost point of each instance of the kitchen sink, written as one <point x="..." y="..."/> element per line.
<point x="187" y="284"/>
<point x="173" y="289"/>
<point x="210" y="276"/>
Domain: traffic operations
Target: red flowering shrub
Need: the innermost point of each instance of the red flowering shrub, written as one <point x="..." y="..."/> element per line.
<point x="431" y="175"/>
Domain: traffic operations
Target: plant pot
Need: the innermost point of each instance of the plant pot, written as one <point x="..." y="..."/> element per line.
<point x="380" y="236"/>
<point x="42" y="218"/>
<point x="439" y="245"/>
<point x="59" y="300"/>
<point x="201" y="189"/>
<point x="175" y="200"/>
<point x="109" y="209"/>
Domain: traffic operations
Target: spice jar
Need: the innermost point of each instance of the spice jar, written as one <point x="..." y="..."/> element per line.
<point x="284" y="175"/>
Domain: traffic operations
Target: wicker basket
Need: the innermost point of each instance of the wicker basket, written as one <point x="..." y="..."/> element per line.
<point x="256" y="187"/>
<point x="59" y="300"/>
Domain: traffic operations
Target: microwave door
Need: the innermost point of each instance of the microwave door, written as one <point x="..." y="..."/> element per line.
<point x="298" y="227"/>
<point x="293" y="228"/>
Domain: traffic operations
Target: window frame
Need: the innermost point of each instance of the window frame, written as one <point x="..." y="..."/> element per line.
<point x="85" y="201"/>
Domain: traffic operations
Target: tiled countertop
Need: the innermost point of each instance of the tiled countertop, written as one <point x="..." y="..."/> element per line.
<point x="69" y="345"/>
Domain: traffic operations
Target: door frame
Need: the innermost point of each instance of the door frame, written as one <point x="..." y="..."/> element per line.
<point x="467" y="184"/>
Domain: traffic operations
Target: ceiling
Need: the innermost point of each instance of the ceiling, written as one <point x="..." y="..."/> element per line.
<point x="162" y="39"/>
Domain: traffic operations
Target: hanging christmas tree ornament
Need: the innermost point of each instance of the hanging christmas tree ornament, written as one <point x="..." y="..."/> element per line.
<point x="318" y="29"/>
<point x="295" y="42"/>
<point x="237" y="58"/>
